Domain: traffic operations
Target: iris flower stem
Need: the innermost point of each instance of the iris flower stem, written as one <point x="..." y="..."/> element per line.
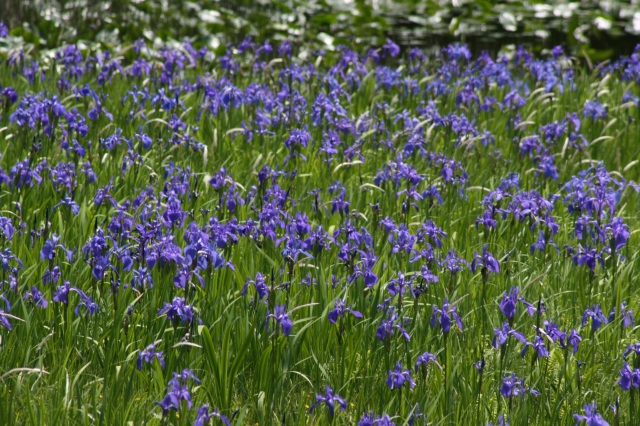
<point x="407" y="352"/>
<point x="614" y="268"/>
<point x="485" y="278"/>
<point x="503" y="352"/>
<point x="564" y="370"/>
<point x="594" y="345"/>
<point x="447" y="373"/>
<point x="479" y="393"/>
<point x="115" y="301"/>
<point x="341" y="353"/>
<point x="387" y="354"/>
<point x="65" y="312"/>
<point x="532" y="366"/>
<point x="56" y="312"/>
<point x="415" y="311"/>
<point x="270" y="396"/>
<point x="102" y="291"/>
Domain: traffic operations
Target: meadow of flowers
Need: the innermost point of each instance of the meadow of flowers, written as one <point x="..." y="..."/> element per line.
<point x="357" y="236"/>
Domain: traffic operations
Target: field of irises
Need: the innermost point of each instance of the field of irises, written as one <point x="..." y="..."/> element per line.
<point x="357" y="236"/>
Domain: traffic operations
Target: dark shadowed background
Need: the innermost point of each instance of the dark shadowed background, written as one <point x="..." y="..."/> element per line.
<point x="600" y="29"/>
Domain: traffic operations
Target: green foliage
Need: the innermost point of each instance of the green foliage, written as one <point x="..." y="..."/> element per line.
<point x="57" y="367"/>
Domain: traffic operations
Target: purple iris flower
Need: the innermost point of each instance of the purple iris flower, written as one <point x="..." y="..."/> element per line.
<point x="4" y="321"/>
<point x="280" y="316"/>
<point x="148" y="354"/>
<point x="341" y="309"/>
<point x="141" y="278"/>
<point x="508" y="302"/>
<point x="629" y="377"/>
<point x="485" y="261"/>
<point x="204" y="416"/>
<point x="51" y="275"/>
<point x="456" y="52"/>
<point x="36" y="295"/>
<point x="369" y="419"/>
<point x="594" y="110"/>
<point x="49" y="247"/>
<point x="425" y="359"/>
<point x="6" y="227"/>
<point x="502" y="334"/>
<point x="454" y="263"/>
<point x="178" y="310"/>
<point x="177" y="391"/>
<point x="330" y="399"/>
<point x="574" y="340"/>
<point x="260" y="285"/>
<point x="619" y="233"/>
<point x="398" y="377"/>
<point x="627" y="315"/>
<point x="596" y="315"/>
<point x="399" y="285"/>
<point x="388" y="325"/>
<point x="632" y="348"/>
<point x="69" y="202"/>
<point x="442" y="317"/>
<point x="588" y="256"/>
<point x="591" y="417"/>
<point x="539" y="348"/>
<point x="502" y="421"/>
<point x="390" y="48"/>
<point x="61" y="295"/>
<point x="514" y="386"/>
<point x="85" y="302"/>
<point x="557" y="335"/>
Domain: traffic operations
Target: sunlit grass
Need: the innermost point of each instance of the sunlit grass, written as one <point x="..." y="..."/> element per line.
<point x="59" y="367"/>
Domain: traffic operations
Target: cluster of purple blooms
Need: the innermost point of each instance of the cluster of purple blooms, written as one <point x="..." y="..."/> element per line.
<point x="630" y="377"/>
<point x="156" y="231"/>
<point x="178" y="391"/>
